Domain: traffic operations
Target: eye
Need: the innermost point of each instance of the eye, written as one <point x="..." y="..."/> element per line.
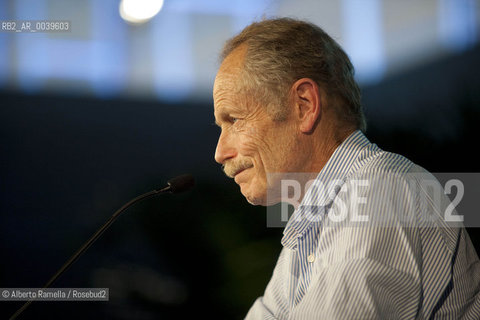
<point x="233" y="120"/>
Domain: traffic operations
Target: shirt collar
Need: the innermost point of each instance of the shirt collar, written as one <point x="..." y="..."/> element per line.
<point x="341" y="164"/>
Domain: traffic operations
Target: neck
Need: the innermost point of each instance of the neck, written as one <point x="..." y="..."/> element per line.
<point x="324" y="142"/>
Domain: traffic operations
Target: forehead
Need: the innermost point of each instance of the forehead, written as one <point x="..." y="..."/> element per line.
<point x="235" y="60"/>
<point x="226" y="86"/>
<point x="230" y="70"/>
<point x="227" y="100"/>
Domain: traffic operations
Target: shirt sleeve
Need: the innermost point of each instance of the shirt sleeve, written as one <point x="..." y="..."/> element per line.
<point x="374" y="269"/>
<point x="274" y="303"/>
<point x="352" y="279"/>
<point x="259" y="311"/>
<point x="392" y="267"/>
<point x="354" y="282"/>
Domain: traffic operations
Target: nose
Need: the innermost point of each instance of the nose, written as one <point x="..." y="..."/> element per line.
<point x="225" y="149"/>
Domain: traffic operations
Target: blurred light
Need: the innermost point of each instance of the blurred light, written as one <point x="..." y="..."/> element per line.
<point x="173" y="66"/>
<point x="457" y="24"/>
<point x="364" y="38"/>
<point x="139" y="11"/>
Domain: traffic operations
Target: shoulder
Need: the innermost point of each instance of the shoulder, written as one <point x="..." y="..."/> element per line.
<point x="374" y="160"/>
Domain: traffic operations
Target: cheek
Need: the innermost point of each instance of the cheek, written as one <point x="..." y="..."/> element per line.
<point x="282" y="151"/>
<point x="252" y="142"/>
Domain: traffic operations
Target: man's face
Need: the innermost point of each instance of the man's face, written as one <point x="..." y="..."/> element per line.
<point x="251" y="144"/>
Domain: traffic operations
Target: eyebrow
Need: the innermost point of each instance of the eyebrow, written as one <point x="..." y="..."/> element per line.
<point x="223" y="113"/>
<point x="220" y="116"/>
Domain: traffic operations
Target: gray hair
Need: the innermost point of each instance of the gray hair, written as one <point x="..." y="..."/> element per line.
<point x="282" y="51"/>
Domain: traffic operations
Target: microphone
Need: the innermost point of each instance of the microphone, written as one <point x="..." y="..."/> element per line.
<point x="180" y="184"/>
<point x="175" y="185"/>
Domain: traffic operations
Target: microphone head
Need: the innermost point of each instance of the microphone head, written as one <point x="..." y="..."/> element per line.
<point x="181" y="183"/>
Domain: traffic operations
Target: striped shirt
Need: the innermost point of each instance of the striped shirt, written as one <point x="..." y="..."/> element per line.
<point x="405" y="270"/>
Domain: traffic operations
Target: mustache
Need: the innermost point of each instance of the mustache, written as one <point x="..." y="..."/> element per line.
<point x="233" y="166"/>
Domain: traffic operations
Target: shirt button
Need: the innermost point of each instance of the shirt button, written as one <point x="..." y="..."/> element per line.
<point x="311" y="258"/>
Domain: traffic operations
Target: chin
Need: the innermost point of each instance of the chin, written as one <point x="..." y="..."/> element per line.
<point x="257" y="193"/>
<point x="255" y="201"/>
<point x="261" y="201"/>
<point x="255" y="197"/>
<point x="259" y="198"/>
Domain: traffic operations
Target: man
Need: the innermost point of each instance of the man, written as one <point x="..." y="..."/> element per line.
<point x="287" y="103"/>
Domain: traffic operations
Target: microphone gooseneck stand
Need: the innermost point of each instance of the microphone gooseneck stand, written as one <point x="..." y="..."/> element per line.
<point x="175" y="185"/>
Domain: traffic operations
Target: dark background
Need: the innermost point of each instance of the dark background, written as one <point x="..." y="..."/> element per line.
<point x="67" y="163"/>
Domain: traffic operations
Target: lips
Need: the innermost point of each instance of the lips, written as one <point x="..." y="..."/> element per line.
<point x="241" y="170"/>
<point x="237" y="176"/>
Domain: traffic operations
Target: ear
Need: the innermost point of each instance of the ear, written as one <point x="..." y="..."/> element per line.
<point x="307" y="101"/>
